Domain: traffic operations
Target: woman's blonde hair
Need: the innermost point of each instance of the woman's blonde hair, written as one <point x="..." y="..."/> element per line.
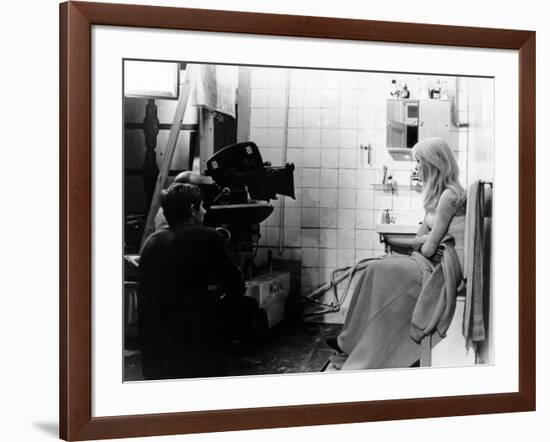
<point x="438" y="170"/>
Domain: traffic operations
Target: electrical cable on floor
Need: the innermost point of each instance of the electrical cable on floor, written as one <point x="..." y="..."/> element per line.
<point x="345" y="273"/>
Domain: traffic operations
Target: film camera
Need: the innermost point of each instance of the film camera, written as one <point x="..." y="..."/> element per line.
<point x="238" y="201"/>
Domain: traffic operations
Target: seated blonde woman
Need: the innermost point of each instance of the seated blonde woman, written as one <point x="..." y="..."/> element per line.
<point x="377" y="332"/>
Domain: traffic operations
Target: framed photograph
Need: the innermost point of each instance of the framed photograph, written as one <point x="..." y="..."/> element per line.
<point x="273" y="220"/>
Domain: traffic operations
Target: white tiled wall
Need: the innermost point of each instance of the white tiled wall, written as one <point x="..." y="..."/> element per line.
<point x="330" y="115"/>
<point x="480" y="93"/>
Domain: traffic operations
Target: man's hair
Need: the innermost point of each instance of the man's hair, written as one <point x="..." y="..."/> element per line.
<point x="177" y="200"/>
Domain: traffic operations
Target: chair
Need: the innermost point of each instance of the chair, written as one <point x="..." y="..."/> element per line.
<point x="453" y="349"/>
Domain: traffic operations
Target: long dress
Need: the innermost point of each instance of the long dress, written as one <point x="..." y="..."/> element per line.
<point x="376" y="330"/>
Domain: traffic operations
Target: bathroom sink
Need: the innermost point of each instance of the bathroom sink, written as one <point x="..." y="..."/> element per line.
<point x="397" y="229"/>
<point x="397" y="237"/>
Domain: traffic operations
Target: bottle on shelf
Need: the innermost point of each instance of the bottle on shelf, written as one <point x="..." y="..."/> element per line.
<point x="394" y="91"/>
<point x="436" y="91"/>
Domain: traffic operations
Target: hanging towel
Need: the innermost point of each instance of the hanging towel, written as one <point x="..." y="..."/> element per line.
<point x="216" y="88"/>
<point x="436" y="303"/>
<point x="473" y="327"/>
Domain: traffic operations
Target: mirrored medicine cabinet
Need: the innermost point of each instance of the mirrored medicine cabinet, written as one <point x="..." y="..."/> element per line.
<point x="409" y="121"/>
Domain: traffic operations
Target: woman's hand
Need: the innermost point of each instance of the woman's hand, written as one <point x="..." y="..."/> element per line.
<point x="418" y="241"/>
<point x="421" y="236"/>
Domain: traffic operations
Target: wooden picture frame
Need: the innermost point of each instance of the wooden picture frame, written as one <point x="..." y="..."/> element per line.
<point x="76" y="21"/>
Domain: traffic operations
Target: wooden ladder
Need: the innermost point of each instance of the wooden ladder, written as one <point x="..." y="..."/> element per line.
<point x="185" y="92"/>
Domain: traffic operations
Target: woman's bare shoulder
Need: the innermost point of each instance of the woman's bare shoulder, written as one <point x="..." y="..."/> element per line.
<point x="450" y="200"/>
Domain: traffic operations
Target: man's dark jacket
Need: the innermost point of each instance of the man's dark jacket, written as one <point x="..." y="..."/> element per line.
<point x="176" y="266"/>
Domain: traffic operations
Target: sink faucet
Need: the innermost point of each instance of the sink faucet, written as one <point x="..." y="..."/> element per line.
<point x="387" y="217"/>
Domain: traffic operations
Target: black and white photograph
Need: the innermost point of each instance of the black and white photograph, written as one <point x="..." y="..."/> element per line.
<point x="233" y="220"/>
<point x="287" y="220"/>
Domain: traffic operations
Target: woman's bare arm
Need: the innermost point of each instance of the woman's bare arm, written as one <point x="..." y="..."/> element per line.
<point x="421" y="236"/>
<point x="446" y="210"/>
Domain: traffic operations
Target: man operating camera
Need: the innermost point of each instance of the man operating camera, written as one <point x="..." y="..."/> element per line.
<point x="183" y="326"/>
